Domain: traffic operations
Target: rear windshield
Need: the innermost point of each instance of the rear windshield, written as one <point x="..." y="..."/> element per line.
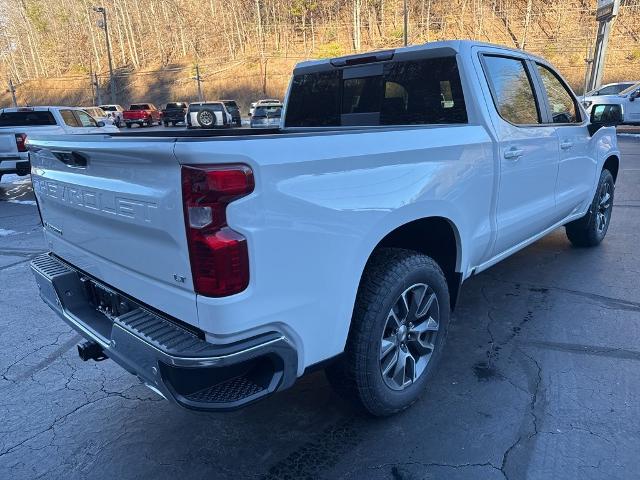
<point x="214" y="107"/>
<point x="26" y="119"/>
<point x="139" y="106"/>
<point x="175" y="105"/>
<point x="412" y="92"/>
<point x="108" y="108"/>
<point x="270" y="110"/>
<point x="630" y="89"/>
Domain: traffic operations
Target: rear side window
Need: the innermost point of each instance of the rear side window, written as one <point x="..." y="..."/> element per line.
<point x="85" y="120"/>
<point x="512" y="90"/>
<point x="26" y="119"/>
<point x="69" y="118"/>
<point x="563" y="106"/>
<point x="416" y="92"/>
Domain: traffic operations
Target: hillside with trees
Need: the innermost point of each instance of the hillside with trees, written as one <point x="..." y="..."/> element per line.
<point x="246" y="48"/>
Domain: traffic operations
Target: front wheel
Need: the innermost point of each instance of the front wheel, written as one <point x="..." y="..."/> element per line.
<point x="397" y="334"/>
<point x="591" y="229"/>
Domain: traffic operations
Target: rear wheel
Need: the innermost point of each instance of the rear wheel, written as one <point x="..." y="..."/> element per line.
<point x="166" y="124"/>
<point x="397" y="334"/>
<point x="128" y="125"/>
<point x="591" y="229"/>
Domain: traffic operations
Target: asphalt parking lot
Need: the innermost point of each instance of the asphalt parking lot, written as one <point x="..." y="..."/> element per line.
<point x="540" y="380"/>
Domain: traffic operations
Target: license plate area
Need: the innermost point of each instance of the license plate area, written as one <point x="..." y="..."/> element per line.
<point x="106" y="301"/>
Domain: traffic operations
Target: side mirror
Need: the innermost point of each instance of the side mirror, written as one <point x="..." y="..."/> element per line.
<point x="605" y="115"/>
<point x="101" y="124"/>
<point x="634" y="95"/>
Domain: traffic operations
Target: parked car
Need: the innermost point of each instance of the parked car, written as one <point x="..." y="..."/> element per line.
<point x="208" y="115"/>
<point x="115" y="112"/>
<point x="234" y="110"/>
<point x="99" y="115"/>
<point x="265" y="101"/>
<point x="629" y="98"/>
<point x="266" y="116"/>
<point x="608" y="89"/>
<point x="174" y="113"/>
<point x="142" y="114"/>
<point x="244" y="258"/>
<point x="17" y="124"/>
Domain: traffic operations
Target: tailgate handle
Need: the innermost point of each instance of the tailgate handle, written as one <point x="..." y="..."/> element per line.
<point x="72" y="159"/>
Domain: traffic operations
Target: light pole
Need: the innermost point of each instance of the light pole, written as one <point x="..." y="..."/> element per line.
<point x="105" y="27"/>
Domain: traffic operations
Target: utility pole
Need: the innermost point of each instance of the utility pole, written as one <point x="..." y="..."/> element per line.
<point x="406" y="24"/>
<point x="198" y="80"/>
<point x="105" y="27"/>
<point x="12" y="90"/>
<point x="97" y="87"/>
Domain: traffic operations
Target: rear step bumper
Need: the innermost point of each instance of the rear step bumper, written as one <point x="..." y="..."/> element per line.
<point x="169" y="358"/>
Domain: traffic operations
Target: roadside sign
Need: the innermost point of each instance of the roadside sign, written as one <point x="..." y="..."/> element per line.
<point x="607" y="9"/>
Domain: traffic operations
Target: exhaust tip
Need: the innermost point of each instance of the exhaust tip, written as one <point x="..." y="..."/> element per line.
<point x="88" y="350"/>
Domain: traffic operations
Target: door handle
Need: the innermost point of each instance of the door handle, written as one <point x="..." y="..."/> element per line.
<point x="513" y="153"/>
<point x="566" y="145"/>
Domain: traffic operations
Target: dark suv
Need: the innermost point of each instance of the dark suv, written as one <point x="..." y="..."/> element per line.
<point x="174" y="113"/>
<point x="234" y="110"/>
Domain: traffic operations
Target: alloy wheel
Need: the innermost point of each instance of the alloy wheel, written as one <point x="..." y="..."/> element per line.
<point x="409" y="336"/>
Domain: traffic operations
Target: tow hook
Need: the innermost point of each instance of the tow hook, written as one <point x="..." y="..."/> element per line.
<point x="88" y="350"/>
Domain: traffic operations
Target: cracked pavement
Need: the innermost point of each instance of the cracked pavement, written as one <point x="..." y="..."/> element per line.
<point x="540" y="380"/>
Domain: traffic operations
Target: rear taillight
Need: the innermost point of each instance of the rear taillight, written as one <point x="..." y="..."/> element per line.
<point x="218" y="254"/>
<point x="21" y="142"/>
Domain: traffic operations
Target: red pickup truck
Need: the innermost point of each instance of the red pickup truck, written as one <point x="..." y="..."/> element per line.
<point x="142" y="114"/>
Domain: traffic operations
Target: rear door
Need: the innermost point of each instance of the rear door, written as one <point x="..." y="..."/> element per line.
<point x="527" y="149"/>
<point x="70" y="122"/>
<point x="577" y="169"/>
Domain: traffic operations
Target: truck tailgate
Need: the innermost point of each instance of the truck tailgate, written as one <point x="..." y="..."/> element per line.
<point x="8" y="144"/>
<point x="113" y="208"/>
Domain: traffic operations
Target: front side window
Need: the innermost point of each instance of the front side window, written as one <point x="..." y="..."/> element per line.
<point x="69" y="118"/>
<point x="512" y="90"/>
<point x="563" y="106"/>
<point x="85" y="119"/>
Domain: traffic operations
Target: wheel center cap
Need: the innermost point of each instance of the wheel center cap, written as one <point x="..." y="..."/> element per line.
<point x="402" y="333"/>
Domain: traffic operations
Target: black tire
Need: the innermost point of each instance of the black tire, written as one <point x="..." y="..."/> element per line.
<point x="128" y="125"/>
<point x="166" y="124"/>
<point x="390" y="273"/>
<point x="206" y="118"/>
<point x="591" y="229"/>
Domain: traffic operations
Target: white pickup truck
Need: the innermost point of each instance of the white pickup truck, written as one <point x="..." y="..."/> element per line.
<point x="19" y="123"/>
<point x="220" y="266"/>
<point x="628" y="99"/>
